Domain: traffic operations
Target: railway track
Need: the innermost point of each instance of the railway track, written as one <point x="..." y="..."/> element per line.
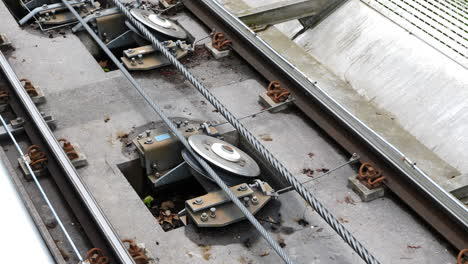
<point x="404" y="178"/>
<point x="77" y="198"/>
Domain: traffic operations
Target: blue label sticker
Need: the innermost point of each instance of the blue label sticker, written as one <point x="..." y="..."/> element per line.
<point x="162" y="137"/>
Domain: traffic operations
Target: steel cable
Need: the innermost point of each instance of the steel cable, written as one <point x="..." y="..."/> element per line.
<point x="273" y="243"/>
<point x="316" y="205"/>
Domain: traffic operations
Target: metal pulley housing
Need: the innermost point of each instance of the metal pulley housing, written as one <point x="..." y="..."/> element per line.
<point x="159" y="24"/>
<point x="224" y="155"/>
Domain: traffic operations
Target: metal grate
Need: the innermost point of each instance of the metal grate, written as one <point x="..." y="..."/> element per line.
<point x="443" y="24"/>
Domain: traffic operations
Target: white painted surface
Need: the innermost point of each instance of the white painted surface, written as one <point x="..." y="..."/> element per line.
<point x="424" y="89"/>
<point x="21" y="241"/>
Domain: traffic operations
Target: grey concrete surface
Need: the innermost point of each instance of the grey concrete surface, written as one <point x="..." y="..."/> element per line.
<point x="82" y="96"/>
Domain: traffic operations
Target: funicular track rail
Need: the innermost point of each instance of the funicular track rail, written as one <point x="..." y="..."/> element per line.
<point x="437" y="207"/>
<point x="447" y="221"/>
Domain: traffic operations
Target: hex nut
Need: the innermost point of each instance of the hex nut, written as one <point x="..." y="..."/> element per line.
<point x="212" y="212"/>
<point x="254" y="200"/>
<point x="204" y="217"/>
<point x="246" y="201"/>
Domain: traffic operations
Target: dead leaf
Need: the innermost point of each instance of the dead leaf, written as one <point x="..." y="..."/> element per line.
<point x="281" y="242"/>
<point x="264" y="254"/>
<point x="414" y="247"/>
<point x="167" y="205"/>
<point x="121" y="136"/>
<point x="103" y="63"/>
<point x="206" y="251"/>
<point x="343" y="220"/>
<point x="266" y="137"/>
<point x="308" y="172"/>
<point x="349" y="200"/>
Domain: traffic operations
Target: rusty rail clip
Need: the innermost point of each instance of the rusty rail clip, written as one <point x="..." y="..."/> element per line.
<point x="29" y="87"/>
<point x="220" y="42"/>
<point x="461" y="257"/>
<point x="136" y="252"/>
<point x="4" y="97"/>
<point x="96" y="256"/>
<point x="38" y="159"/>
<point x="69" y="149"/>
<point x="277" y="93"/>
<point x="369" y="176"/>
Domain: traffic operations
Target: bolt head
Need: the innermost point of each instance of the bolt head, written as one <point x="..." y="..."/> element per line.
<point x="149" y="141"/>
<point x="255" y="200"/>
<point x="199" y="201"/>
<point x="243" y="187"/>
<point x="212" y="212"/>
<point x="204" y="217"/>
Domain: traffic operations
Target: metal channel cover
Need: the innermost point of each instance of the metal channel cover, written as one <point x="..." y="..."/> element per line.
<point x="245" y="166"/>
<point x="158" y="23"/>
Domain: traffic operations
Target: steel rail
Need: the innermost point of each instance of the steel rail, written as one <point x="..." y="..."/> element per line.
<point x="253" y="141"/>
<point x="404" y="177"/>
<point x="78" y="185"/>
<point x="273" y="243"/>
